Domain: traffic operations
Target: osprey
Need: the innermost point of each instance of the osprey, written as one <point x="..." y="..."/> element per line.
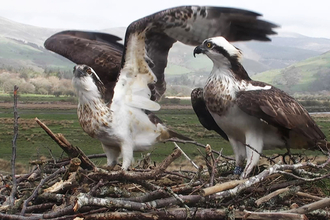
<point x="124" y="126"/>
<point x="250" y="114"/>
<point x="121" y="127"/>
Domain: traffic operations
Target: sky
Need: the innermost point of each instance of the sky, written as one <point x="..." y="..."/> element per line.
<point x="310" y="18"/>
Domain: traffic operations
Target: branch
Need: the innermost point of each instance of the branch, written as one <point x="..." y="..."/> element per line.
<point x="84" y="199"/>
<point x="13" y="158"/>
<point x="260" y="177"/>
<point x="195" y="213"/>
<point x="271" y="195"/>
<point x="221" y="187"/>
<point x="197" y="144"/>
<point x="321" y="204"/>
<point x="68" y="148"/>
<point x="186" y="156"/>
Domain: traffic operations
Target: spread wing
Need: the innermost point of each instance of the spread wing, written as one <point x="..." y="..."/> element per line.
<point x="100" y="51"/>
<point x="190" y="25"/>
<point x="203" y="114"/>
<point x="279" y="109"/>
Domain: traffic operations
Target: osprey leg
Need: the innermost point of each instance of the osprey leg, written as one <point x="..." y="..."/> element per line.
<point x="252" y="155"/>
<point x="240" y="155"/>
<point x="112" y="154"/>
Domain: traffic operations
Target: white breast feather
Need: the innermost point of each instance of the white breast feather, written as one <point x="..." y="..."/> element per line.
<point x="86" y="89"/>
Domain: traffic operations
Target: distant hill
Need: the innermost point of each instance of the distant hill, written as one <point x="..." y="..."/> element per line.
<point x="22" y="47"/>
<point x="312" y="74"/>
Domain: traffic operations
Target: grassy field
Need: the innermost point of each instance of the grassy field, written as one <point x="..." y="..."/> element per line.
<point x="33" y="142"/>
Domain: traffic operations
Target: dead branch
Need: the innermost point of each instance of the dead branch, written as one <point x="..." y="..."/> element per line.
<point x="186" y="156"/>
<point x="271" y="195"/>
<point x="321" y="204"/>
<point x="260" y="177"/>
<point x="274" y="216"/>
<point x="68" y="148"/>
<point x="86" y="200"/>
<point x="308" y="196"/>
<point x="13" y="158"/>
<point x="17" y="217"/>
<point x="197" y="144"/>
<point x="195" y="213"/>
<point x="221" y="187"/>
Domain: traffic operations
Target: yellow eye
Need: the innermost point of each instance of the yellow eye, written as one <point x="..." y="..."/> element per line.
<point x="208" y="45"/>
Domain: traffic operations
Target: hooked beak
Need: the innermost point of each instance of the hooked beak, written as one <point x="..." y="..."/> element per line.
<point x="199" y="49"/>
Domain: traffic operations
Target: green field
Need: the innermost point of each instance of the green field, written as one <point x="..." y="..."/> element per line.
<point x="33" y="142"/>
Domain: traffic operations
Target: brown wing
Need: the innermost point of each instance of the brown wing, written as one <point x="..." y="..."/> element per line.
<point x="191" y="25"/>
<point x="279" y="109"/>
<point x="100" y="51"/>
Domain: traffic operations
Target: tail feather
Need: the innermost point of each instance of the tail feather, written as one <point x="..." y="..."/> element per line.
<point x="165" y="132"/>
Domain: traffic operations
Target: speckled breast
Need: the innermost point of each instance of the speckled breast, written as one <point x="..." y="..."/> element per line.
<point x="93" y="120"/>
<point x="217" y="97"/>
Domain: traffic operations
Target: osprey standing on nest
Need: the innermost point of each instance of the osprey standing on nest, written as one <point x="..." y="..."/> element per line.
<point x="124" y="125"/>
<point x="249" y="113"/>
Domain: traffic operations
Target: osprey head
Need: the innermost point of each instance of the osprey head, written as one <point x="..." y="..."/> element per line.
<point x="217" y="48"/>
<point x="85" y="79"/>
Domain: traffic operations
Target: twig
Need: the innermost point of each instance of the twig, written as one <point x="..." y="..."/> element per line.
<point x="221" y="187"/>
<point x="321" y="204"/>
<point x="274" y="216"/>
<point x="197" y="144"/>
<point x="84" y="199"/>
<point x="302" y="194"/>
<point x="260" y="177"/>
<point x="214" y="164"/>
<point x="35" y="192"/>
<point x="260" y="153"/>
<point x="186" y="156"/>
<point x="13" y="158"/>
<point x="304" y="179"/>
<point x="271" y="195"/>
<point x="181" y="214"/>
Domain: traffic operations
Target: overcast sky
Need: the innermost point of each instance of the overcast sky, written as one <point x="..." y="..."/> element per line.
<point x="310" y="18"/>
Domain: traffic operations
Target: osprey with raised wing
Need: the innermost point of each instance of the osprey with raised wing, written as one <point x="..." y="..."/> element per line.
<point x="140" y="80"/>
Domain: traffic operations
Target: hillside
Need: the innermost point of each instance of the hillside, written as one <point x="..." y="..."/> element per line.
<point x="312" y="74"/>
<point x="22" y="47"/>
<point x="17" y="54"/>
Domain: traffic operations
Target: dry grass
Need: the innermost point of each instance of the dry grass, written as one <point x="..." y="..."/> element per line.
<point x="5" y="167"/>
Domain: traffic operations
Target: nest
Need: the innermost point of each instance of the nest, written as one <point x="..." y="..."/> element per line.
<point x="74" y="188"/>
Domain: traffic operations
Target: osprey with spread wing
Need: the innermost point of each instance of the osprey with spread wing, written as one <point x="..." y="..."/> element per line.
<point x="121" y="118"/>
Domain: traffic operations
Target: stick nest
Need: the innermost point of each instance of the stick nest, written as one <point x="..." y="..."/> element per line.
<point x="74" y="188"/>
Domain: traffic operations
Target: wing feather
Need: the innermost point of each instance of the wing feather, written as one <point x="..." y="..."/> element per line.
<point x="279" y="109"/>
<point x="188" y="24"/>
<point x="203" y="114"/>
<point x="100" y="51"/>
<point x="191" y="25"/>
